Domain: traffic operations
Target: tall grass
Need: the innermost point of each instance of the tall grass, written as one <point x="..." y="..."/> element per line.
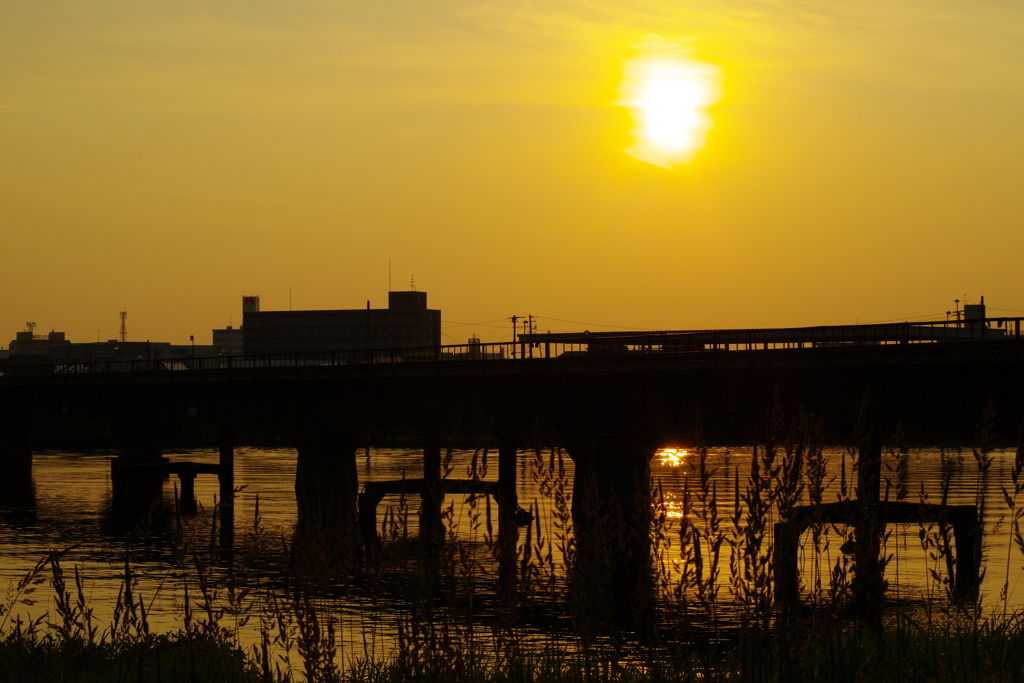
<point x="487" y="602"/>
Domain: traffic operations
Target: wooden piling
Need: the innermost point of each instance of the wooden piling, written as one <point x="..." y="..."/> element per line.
<point x="187" y="492"/>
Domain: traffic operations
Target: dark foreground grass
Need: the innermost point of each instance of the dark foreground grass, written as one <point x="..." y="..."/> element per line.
<point x="160" y="659"/>
<point x="950" y="648"/>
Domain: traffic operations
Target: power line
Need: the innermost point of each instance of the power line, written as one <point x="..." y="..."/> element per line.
<point x="483" y="324"/>
<point x="899" y="320"/>
<point x="577" y="322"/>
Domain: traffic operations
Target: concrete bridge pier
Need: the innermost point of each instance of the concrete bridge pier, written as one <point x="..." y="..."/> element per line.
<point x="868" y="584"/>
<point x="138" y="471"/>
<point x="611" y="507"/>
<point x="326" y="479"/>
<point x="508" y="497"/>
<point x="226" y="479"/>
<point x="431" y="525"/>
<point x="16" y="448"/>
<point x="16" y="464"/>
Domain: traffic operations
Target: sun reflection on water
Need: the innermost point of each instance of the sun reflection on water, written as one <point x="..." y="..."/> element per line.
<point x="671" y="508"/>
<point x="673" y="457"/>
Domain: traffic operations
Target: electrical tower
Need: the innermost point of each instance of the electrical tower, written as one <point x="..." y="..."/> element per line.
<point x="124" y="326"/>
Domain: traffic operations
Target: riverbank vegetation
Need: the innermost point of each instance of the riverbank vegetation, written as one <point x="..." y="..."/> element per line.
<point x="576" y="595"/>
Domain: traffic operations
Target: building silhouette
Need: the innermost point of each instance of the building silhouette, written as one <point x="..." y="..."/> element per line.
<point x="228" y="341"/>
<point x="27" y="343"/>
<point x="405" y="323"/>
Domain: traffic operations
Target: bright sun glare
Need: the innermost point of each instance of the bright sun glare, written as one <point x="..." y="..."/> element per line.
<point x="673" y="457"/>
<point x="669" y="93"/>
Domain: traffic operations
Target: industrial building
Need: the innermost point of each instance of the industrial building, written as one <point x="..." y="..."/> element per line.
<point x="29" y="348"/>
<point x="405" y="323"/>
<point x="28" y="343"/>
<point x="228" y="341"/>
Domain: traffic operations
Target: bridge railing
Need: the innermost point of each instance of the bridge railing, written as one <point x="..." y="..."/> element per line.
<point x="560" y="348"/>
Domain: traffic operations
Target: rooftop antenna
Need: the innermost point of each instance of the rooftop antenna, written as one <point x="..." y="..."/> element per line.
<point x="31" y="327"/>
<point x="412" y="282"/>
<point x="389" y="275"/>
<point x="124" y="326"/>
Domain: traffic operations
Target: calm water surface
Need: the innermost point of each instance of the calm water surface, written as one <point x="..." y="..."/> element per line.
<point x="68" y="508"/>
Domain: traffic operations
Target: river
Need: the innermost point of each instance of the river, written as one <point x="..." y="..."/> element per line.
<point x="68" y="508"/>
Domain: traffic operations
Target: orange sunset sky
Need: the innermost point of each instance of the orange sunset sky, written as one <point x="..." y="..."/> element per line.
<point x="859" y="161"/>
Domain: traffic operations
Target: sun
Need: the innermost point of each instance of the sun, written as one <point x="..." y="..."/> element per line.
<point x="669" y="93"/>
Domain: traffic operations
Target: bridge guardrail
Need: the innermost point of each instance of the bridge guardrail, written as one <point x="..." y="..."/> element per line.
<point x="563" y="347"/>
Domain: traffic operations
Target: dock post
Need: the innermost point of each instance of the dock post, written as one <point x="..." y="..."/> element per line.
<point x="187" y="492"/>
<point x="369" y="499"/>
<point x="967" y="532"/>
<point x="868" y="584"/>
<point x="785" y="565"/>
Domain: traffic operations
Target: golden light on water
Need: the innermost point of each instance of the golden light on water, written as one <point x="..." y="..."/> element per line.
<point x="669" y="93"/>
<point x="673" y="457"/>
<point x="671" y="508"/>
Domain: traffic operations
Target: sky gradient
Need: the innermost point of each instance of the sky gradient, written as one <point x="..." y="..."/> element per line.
<point x="865" y="163"/>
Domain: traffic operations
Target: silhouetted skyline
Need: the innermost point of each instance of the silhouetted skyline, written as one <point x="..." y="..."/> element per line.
<point x="860" y="162"/>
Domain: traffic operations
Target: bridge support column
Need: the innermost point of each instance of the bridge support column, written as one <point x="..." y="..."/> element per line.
<point x="431" y="526"/>
<point x="226" y="479"/>
<point x="868" y="584"/>
<point x="611" y="506"/>
<point x="16" y="465"/>
<point x="226" y="475"/>
<point x="508" y="497"/>
<point x="15" y="448"/>
<point x="326" y="480"/>
<point x="138" y="471"/>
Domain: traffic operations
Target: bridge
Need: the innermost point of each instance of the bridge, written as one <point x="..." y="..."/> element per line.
<point x="609" y="399"/>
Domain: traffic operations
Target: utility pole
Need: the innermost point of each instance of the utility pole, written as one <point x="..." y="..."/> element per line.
<point x="529" y="326"/>
<point x="514" y="320"/>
